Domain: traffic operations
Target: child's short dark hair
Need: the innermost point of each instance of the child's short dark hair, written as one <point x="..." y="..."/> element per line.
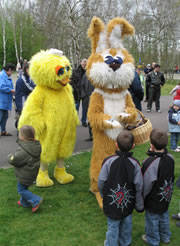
<point x="27" y="132"/>
<point x="159" y="139"/>
<point x="125" y="140"/>
<point x="9" y="66"/>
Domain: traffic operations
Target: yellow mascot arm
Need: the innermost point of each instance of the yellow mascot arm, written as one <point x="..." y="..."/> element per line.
<point x="96" y="115"/>
<point x="130" y="109"/>
<point x="32" y="113"/>
<point x="75" y="114"/>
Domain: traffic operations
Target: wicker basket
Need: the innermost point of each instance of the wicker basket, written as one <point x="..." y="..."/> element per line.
<point x="141" y="129"/>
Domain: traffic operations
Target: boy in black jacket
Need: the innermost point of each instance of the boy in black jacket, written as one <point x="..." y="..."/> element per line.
<point x="158" y="177"/>
<point x="120" y="184"/>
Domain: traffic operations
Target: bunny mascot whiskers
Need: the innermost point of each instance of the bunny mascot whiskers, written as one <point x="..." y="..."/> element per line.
<point x="110" y="69"/>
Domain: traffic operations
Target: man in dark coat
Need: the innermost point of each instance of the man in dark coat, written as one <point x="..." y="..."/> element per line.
<point x="149" y="68"/>
<point x="155" y="80"/>
<point x="86" y="90"/>
<point x="136" y="89"/>
<point x="76" y="78"/>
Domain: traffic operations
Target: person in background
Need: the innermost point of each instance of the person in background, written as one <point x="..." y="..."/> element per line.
<point x="177" y="96"/>
<point x="6" y="96"/>
<point x="26" y="161"/>
<point x="155" y="80"/>
<point x="24" y="86"/>
<point x="86" y="90"/>
<point x="25" y="62"/>
<point x="177" y="69"/>
<point x="136" y="89"/>
<point x="174" y="125"/>
<point x="19" y="67"/>
<point x="76" y="79"/>
<point x="174" y="90"/>
<point x="158" y="177"/>
<point x="146" y="71"/>
<point x="120" y="184"/>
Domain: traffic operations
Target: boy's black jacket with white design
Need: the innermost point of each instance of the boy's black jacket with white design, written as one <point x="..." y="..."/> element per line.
<point x="158" y="177"/>
<point x="120" y="184"/>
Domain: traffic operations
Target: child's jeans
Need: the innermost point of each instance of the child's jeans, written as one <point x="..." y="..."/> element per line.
<point x="119" y="231"/>
<point x="174" y="139"/>
<point x="157" y="228"/>
<point x="27" y="197"/>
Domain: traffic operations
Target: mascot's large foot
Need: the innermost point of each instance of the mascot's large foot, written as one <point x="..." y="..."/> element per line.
<point x="62" y="176"/>
<point x="99" y="199"/>
<point x="43" y="179"/>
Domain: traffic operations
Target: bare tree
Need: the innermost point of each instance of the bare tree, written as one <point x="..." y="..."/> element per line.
<point x="3" y="21"/>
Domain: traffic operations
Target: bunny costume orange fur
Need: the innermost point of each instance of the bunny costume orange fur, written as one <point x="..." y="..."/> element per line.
<point x="110" y="69"/>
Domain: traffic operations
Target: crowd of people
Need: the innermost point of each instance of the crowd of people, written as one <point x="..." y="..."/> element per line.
<point x="148" y="188"/>
<point x="82" y="90"/>
<point x="23" y="87"/>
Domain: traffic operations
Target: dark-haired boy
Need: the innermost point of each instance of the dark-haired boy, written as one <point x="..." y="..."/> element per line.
<point x="158" y="177"/>
<point x="120" y="184"/>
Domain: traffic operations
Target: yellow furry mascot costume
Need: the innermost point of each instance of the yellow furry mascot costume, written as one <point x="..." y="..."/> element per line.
<point x="110" y="69"/>
<point x="51" y="111"/>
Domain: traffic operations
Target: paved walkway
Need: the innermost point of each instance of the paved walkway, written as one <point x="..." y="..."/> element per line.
<point x="8" y="144"/>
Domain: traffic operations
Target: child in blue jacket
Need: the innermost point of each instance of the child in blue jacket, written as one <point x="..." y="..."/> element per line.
<point x="174" y="125"/>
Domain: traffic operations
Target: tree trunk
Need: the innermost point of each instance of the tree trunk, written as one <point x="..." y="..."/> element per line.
<point x="3" y="31"/>
<point x="20" y="38"/>
<point x="4" y="42"/>
<point x="15" y="41"/>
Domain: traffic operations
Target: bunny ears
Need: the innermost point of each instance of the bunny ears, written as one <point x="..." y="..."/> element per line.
<point x="102" y="39"/>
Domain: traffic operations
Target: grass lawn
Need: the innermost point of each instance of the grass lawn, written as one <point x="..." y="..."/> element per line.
<point x="169" y="85"/>
<point x="69" y="214"/>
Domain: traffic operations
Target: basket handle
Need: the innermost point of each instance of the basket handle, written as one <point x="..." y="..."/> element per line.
<point x="141" y="114"/>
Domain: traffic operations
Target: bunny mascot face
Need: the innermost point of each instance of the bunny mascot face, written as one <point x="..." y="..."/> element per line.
<point x="110" y="69"/>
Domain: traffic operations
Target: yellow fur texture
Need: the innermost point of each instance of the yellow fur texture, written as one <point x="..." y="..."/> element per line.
<point x="50" y="108"/>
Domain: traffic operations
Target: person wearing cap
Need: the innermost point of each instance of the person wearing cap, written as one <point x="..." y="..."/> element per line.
<point x="174" y="124"/>
<point x="147" y="69"/>
<point x="155" y="80"/>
